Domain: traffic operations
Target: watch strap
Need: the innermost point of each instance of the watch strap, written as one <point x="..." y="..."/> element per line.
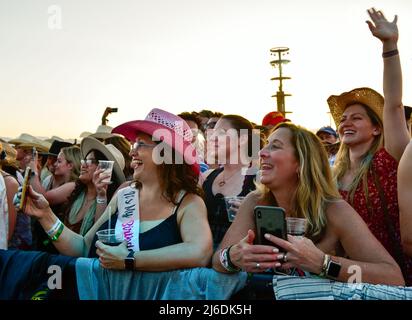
<point x="129" y="261"/>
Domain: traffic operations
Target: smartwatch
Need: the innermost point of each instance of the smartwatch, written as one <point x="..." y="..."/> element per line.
<point x="333" y="269"/>
<point x="129" y="261"/>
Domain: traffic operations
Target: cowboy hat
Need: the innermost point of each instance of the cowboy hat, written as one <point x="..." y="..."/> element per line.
<point x="156" y="123"/>
<point x="103" y="132"/>
<point x="55" y="148"/>
<point x="109" y="151"/>
<point x="366" y="96"/>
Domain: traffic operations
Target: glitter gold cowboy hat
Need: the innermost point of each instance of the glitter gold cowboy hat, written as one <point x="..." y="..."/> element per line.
<point x="366" y="96"/>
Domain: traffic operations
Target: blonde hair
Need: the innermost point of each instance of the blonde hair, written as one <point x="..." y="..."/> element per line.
<point x="342" y="162"/>
<point x="315" y="184"/>
<point x="73" y="156"/>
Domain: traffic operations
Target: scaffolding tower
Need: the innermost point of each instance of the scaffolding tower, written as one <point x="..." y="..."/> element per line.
<point x="280" y="95"/>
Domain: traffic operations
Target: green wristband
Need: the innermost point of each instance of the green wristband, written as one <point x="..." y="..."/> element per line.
<point x="58" y="233"/>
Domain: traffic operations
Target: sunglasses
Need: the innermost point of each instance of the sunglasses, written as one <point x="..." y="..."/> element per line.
<point x="140" y="144"/>
<point x="88" y="162"/>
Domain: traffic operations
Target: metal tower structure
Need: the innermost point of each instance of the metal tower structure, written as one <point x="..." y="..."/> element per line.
<point x="278" y="52"/>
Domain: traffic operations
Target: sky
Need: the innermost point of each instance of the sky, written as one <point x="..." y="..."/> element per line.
<point x="63" y="62"/>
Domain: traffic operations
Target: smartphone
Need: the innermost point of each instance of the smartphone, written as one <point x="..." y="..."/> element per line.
<point x="271" y="220"/>
<point x="26" y="182"/>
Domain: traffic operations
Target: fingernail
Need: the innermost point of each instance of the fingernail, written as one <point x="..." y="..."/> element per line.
<point x="275" y="250"/>
<point x="267" y="236"/>
<point x="280" y="256"/>
<point x="277" y="264"/>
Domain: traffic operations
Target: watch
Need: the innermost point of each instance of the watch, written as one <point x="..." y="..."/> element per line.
<point x="129" y="261"/>
<point x="333" y="269"/>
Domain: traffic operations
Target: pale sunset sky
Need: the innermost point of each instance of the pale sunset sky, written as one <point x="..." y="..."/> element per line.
<point x="62" y="62"/>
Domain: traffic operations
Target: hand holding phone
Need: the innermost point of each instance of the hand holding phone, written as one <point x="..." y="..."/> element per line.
<point x="26" y="182"/>
<point x="271" y="220"/>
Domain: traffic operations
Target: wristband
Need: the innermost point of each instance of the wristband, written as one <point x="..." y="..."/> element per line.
<point x="58" y="233"/>
<point x="225" y="263"/>
<point x="229" y="262"/>
<point x="54" y="228"/>
<point x="101" y="200"/>
<point x="391" y="53"/>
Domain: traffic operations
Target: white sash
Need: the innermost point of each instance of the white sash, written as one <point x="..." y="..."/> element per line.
<point x="128" y="220"/>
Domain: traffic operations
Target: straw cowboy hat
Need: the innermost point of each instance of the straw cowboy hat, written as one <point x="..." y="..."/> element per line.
<point x="366" y="96"/>
<point x="7" y="155"/>
<point x="180" y="133"/>
<point x="102" y="132"/>
<point x="27" y="141"/>
<point x="109" y="151"/>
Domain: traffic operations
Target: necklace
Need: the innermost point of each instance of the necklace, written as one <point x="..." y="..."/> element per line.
<point x="223" y="182"/>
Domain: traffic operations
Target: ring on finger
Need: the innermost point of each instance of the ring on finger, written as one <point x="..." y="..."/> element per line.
<point x="257" y="265"/>
<point x="285" y="257"/>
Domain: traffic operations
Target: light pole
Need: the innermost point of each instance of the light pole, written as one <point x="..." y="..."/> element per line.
<point x="278" y="52"/>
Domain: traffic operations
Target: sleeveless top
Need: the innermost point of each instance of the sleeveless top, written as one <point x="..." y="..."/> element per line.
<point x="386" y="168"/>
<point x="165" y="234"/>
<point x="216" y="207"/>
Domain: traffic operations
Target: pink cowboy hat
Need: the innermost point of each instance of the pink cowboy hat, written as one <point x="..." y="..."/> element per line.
<point x="167" y="127"/>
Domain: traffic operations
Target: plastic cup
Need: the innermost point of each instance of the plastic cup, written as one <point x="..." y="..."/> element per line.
<point x="109" y="237"/>
<point x="107" y="166"/>
<point x="230" y="212"/>
<point x="296" y="226"/>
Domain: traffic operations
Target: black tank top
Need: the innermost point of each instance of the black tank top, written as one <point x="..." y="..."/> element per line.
<point x="216" y="208"/>
<point x="164" y="234"/>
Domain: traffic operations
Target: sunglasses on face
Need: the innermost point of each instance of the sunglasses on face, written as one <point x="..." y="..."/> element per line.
<point x="140" y="144"/>
<point x="88" y="162"/>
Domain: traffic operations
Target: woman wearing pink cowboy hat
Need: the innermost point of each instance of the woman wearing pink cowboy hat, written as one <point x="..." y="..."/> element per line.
<point x="161" y="220"/>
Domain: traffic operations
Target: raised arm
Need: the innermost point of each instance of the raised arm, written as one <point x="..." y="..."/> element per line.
<point x="404" y="199"/>
<point x="396" y="134"/>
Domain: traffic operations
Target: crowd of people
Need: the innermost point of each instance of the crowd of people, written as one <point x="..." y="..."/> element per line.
<point x="172" y="173"/>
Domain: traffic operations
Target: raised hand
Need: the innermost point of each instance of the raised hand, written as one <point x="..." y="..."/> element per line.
<point x="36" y="204"/>
<point x="381" y="28"/>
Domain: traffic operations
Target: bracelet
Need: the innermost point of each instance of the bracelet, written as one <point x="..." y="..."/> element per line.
<point x="58" y="233"/>
<point x="326" y="260"/>
<point x="224" y="261"/>
<point x="390" y="53"/>
<point x="101" y="200"/>
<point x="54" y="228"/>
<point x="229" y="261"/>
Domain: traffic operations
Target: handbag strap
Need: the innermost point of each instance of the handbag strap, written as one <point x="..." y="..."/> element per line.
<point x="398" y="252"/>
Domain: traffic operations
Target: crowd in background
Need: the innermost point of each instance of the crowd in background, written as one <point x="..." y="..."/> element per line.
<point x="352" y="185"/>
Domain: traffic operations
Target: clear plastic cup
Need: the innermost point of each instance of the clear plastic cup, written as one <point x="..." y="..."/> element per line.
<point x="107" y="166"/>
<point x="296" y="226"/>
<point x="230" y="212"/>
<point x="109" y="237"/>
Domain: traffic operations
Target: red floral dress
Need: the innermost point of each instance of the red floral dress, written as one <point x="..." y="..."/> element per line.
<point x="386" y="168"/>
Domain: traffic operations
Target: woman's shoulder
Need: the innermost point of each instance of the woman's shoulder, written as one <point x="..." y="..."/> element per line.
<point x="338" y="210"/>
<point x="189" y="197"/>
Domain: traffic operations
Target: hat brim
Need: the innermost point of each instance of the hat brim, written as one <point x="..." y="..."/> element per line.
<point x="366" y="96"/>
<point x="132" y="128"/>
<point x="39" y="147"/>
<point x="89" y="143"/>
